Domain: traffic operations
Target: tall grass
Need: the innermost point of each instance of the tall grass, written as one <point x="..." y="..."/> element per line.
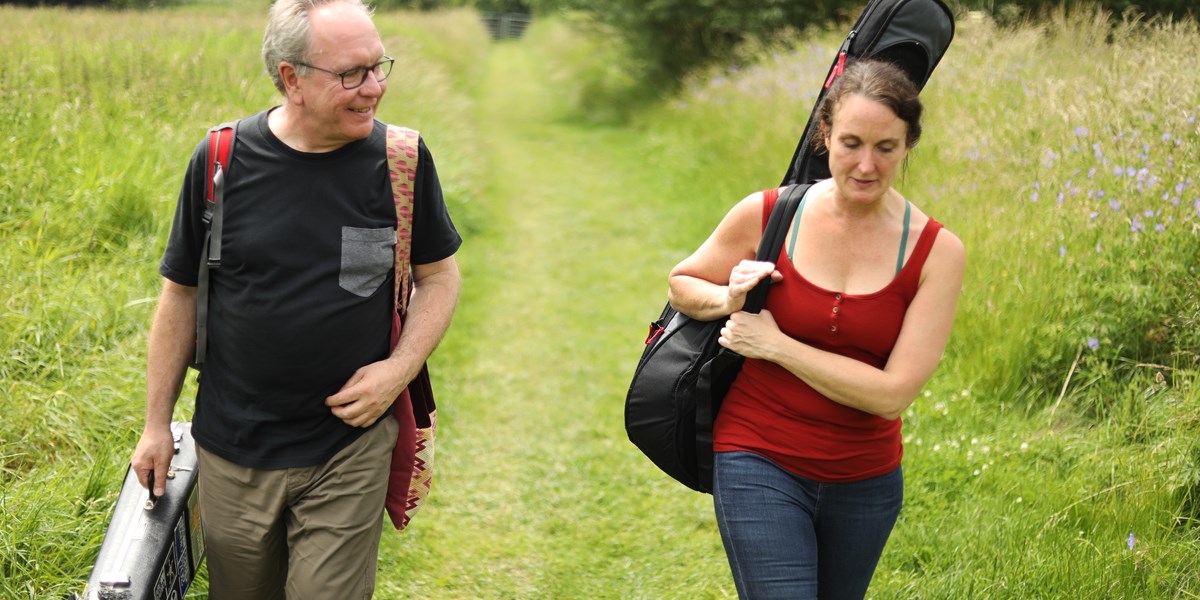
<point x="1078" y="167"/>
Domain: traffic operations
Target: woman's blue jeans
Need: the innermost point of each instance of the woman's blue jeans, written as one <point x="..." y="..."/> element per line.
<point x="790" y="537"/>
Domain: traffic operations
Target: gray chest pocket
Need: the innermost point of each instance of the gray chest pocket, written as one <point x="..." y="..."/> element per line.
<point x="367" y="258"/>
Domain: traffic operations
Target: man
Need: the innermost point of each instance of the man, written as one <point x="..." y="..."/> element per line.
<point x="293" y="415"/>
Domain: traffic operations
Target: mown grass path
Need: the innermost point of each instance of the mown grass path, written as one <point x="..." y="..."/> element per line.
<point x="539" y="493"/>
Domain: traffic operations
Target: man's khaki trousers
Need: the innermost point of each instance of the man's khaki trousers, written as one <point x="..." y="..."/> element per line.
<point x="309" y="533"/>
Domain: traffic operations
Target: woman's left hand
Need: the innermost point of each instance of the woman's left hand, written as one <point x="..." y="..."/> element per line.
<point x="750" y="334"/>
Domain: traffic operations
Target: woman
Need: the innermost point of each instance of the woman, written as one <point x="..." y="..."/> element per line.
<point x="807" y="479"/>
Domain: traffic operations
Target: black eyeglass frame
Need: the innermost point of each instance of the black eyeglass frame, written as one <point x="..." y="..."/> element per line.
<point x="387" y="60"/>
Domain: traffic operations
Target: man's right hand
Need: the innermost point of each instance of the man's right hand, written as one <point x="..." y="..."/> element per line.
<point x="153" y="453"/>
<point x="172" y="344"/>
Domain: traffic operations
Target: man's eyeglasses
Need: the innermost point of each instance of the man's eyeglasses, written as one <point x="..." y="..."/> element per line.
<point x="355" y="77"/>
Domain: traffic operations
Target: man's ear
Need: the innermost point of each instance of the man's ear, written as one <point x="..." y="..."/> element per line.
<point x="291" y="81"/>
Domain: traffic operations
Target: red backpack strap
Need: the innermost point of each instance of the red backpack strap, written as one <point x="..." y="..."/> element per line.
<point x="220" y="149"/>
<point x="220" y="143"/>
<point x="220" y="152"/>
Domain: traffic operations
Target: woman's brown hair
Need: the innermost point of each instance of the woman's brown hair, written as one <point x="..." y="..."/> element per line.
<point x="875" y="80"/>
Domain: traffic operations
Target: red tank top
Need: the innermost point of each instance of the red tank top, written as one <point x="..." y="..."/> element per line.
<point x="771" y="412"/>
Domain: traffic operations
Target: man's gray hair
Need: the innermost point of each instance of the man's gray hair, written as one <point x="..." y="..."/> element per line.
<point x="286" y="37"/>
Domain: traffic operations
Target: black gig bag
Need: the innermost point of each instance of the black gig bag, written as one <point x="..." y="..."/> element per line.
<point x="913" y="34"/>
<point x="684" y="373"/>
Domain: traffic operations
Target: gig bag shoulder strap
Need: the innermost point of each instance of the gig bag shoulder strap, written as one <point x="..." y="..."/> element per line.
<point x="718" y="374"/>
<point x="771" y="243"/>
<point x="769" y="247"/>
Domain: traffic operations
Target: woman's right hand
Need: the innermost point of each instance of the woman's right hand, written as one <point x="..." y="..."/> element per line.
<point x="744" y="277"/>
<point x="713" y="282"/>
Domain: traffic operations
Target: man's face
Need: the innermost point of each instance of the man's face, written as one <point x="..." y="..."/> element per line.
<point x="342" y="38"/>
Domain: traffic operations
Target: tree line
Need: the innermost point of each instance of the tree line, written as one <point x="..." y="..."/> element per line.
<point x="672" y="38"/>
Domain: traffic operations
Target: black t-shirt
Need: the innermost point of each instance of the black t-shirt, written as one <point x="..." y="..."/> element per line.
<point x="303" y="296"/>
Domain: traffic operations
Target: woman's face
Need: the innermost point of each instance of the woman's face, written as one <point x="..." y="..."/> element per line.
<point x="866" y="147"/>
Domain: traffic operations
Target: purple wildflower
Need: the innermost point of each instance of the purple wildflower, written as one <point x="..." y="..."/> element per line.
<point x="1081" y="131"/>
<point x="1136" y="225"/>
<point x="1093" y="343"/>
<point x="1095" y="215"/>
<point x="1062" y="251"/>
<point x="1160" y="228"/>
<point x="1131" y="541"/>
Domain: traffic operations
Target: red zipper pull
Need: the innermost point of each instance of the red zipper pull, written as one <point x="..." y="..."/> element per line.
<point x="841" y="59"/>
<point x="656" y="330"/>
<point x="837" y="69"/>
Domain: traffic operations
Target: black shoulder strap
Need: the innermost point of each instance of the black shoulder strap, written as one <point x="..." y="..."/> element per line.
<point x="220" y="153"/>
<point x="724" y="365"/>
<point x="772" y="240"/>
<point x="768" y="250"/>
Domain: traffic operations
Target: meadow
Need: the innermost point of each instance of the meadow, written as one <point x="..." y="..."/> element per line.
<point x="1055" y="454"/>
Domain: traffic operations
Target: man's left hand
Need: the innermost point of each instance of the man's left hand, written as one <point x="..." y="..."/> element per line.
<point x="367" y="395"/>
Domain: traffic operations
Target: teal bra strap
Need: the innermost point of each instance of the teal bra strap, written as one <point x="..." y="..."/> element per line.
<point x="796" y="226"/>
<point x="904" y="236"/>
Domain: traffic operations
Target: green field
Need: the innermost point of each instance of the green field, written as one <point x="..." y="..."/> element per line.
<point x="1055" y="454"/>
